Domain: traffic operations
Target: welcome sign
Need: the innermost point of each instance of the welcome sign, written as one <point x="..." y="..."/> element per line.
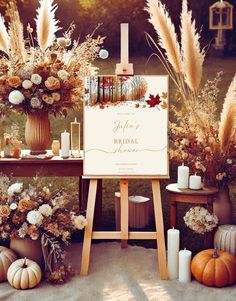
<point x="125" y="126"/>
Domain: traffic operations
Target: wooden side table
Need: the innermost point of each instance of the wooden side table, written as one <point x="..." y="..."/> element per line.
<point x="204" y="196"/>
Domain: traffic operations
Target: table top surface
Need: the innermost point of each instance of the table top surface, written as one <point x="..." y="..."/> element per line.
<point x="204" y="191"/>
<point x="35" y="160"/>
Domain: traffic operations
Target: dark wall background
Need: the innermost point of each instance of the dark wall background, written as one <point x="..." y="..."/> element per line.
<point x="88" y="13"/>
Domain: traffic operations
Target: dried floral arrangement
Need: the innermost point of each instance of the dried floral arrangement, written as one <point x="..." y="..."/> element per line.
<point x="35" y="213"/>
<point x="46" y="73"/>
<point x="200" y="220"/>
<point x="197" y="136"/>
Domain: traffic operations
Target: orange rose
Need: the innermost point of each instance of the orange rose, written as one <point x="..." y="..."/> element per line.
<point x="28" y="205"/>
<point x="52" y="83"/>
<point x="4" y="210"/>
<point x="14" y="81"/>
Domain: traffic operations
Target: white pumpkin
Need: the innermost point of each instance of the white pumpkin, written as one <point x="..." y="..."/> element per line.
<point x="225" y="238"/>
<point x="7" y="256"/>
<point x="24" y="274"/>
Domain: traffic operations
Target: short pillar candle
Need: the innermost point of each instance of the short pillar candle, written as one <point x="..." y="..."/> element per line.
<point x="195" y="182"/>
<point x="185" y="266"/>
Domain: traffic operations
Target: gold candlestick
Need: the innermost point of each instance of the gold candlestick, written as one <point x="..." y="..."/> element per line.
<point x="75" y="138"/>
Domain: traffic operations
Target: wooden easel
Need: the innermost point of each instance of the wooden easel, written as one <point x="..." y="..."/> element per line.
<point x="125" y="68"/>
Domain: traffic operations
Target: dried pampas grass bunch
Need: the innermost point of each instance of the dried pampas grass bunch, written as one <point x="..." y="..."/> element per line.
<point x="184" y="61"/>
<point x="197" y="136"/>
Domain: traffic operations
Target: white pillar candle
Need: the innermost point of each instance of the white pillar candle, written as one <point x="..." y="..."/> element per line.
<point x="173" y="253"/>
<point x="195" y="182"/>
<point x="184" y="266"/>
<point x="183" y="177"/>
<point x="65" y="145"/>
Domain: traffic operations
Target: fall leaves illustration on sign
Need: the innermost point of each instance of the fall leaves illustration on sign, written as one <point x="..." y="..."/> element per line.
<point x="105" y="91"/>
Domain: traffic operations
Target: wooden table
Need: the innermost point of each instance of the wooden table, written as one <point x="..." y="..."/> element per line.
<point x="204" y="196"/>
<point x="54" y="167"/>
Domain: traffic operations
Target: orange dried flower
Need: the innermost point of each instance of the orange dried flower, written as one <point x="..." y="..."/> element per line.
<point x="26" y="205"/>
<point x="4" y="210"/>
<point x="53" y="228"/>
<point x="14" y="81"/>
<point x="18" y="218"/>
<point x="52" y="83"/>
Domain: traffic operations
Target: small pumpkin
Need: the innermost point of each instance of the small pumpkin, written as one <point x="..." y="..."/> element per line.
<point x="225" y="238"/>
<point x="7" y="256"/>
<point x="214" y="268"/>
<point x="24" y="273"/>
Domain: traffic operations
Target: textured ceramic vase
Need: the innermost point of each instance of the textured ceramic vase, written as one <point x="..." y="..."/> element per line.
<point x="28" y="248"/>
<point x="37" y="132"/>
<point x="222" y="206"/>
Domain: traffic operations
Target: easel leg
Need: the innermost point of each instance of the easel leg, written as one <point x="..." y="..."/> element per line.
<point x="124" y="212"/>
<point x="89" y="228"/>
<point x="161" y="248"/>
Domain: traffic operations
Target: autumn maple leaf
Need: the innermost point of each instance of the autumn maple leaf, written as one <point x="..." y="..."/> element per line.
<point x="153" y="100"/>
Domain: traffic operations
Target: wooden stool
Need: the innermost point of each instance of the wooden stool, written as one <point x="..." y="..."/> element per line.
<point x="203" y="196"/>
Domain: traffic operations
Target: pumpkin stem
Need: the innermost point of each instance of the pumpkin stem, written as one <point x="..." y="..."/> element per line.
<point x="215" y="254"/>
<point x="25" y="263"/>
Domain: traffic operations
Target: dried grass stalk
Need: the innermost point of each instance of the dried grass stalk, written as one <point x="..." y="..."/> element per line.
<point x="17" y="43"/>
<point x="227" y="125"/>
<point x="46" y="24"/>
<point x="4" y="37"/>
<point x="161" y="21"/>
<point x="193" y="57"/>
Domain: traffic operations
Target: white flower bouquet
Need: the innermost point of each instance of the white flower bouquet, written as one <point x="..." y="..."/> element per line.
<point x="200" y="220"/>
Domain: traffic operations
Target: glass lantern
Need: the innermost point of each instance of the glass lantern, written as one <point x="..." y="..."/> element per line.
<point x="220" y="19"/>
<point x="221" y="15"/>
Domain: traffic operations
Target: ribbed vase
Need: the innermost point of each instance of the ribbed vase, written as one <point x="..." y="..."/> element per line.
<point x="37" y="132"/>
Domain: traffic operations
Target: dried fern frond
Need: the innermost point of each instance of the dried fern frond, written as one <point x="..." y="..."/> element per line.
<point x="161" y="21"/>
<point x="16" y="33"/>
<point x="4" y="37"/>
<point x="46" y="24"/>
<point x="227" y="125"/>
<point x="193" y="57"/>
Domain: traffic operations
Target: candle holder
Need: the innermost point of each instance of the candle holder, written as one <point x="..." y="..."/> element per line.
<point x="75" y="139"/>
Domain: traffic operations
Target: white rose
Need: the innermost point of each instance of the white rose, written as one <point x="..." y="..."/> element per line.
<point x="79" y="221"/>
<point x="36" y="79"/>
<point x="15" y="188"/>
<point x="13" y="206"/>
<point x="16" y="97"/>
<point x="62" y="74"/>
<point x="45" y="210"/>
<point x="27" y="84"/>
<point x="34" y="217"/>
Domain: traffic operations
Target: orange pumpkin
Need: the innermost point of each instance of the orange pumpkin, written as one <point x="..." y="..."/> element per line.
<point x="214" y="268"/>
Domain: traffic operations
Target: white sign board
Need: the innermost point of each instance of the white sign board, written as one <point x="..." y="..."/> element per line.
<point x="125" y="126"/>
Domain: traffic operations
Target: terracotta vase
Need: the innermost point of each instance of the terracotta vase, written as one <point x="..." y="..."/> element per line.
<point x="28" y="248"/>
<point x="222" y="206"/>
<point x="37" y="132"/>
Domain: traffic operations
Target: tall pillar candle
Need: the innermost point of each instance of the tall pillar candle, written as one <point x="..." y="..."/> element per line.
<point x="65" y="145"/>
<point x="183" y="177"/>
<point x="185" y="266"/>
<point x="173" y="253"/>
